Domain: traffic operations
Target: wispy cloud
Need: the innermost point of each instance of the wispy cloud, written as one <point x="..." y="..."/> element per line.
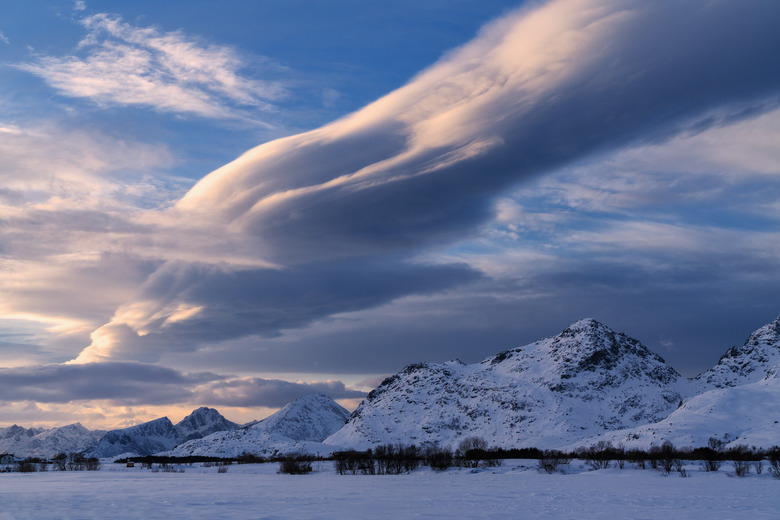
<point x="4" y="39"/>
<point x="121" y="64"/>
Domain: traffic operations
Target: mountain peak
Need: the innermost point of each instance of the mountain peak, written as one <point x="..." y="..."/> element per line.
<point x="586" y="351"/>
<point x="201" y="422"/>
<point x="594" y="377"/>
<point x="749" y="362"/>
<point x="309" y="417"/>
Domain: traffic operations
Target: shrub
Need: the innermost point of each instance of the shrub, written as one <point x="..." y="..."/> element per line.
<point x="668" y="457"/>
<point x="551" y="460"/>
<point x="439" y="459"/>
<point x="597" y="456"/>
<point x="740" y="456"/>
<point x="294" y="464"/>
<point x="773" y="455"/>
<point x="25" y="466"/>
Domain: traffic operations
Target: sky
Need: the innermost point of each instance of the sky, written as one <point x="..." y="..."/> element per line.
<point x="232" y="204"/>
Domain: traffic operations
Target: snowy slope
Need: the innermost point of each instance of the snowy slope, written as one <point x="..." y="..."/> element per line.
<point x="39" y="442"/>
<point x="747" y="414"/>
<point x="550" y="393"/>
<point x="143" y="439"/>
<point x="748" y="363"/>
<point x="202" y="422"/>
<point x="300" y="426"/>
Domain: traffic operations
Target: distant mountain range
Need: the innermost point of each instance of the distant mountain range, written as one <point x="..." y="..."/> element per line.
<point x="588" y="383"/>
<point x="301" y="426"/>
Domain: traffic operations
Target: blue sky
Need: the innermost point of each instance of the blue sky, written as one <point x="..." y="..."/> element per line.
<point x="233" y="203"/>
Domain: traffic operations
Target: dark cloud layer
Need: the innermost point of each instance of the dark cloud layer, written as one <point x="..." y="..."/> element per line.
<point x="126" y="383"/>
<point x="272" y="393"/>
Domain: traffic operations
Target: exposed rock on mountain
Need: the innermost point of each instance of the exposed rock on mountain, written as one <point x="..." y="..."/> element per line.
<point x="202" y="422"/>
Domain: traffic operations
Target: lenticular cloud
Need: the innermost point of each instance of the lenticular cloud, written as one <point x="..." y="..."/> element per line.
<point x="535" y="91"/>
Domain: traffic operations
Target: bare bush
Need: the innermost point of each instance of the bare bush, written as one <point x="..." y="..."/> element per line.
<point x="551" y="460"/>
<point x="773" y="456"/>
<point x="439" y="459"/>
<point x="597" y="456"/>
<point x="668" y="457"/>
<point x="293" y="464"/>
<point x="26" y="466"/>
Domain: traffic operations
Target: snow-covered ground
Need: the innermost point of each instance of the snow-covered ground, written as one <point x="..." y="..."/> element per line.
<point x="514" y="490"/>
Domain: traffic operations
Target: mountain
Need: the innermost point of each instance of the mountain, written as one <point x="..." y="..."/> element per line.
<point x="202" y="422"/>
<point x="301" y="426"/>
<point x="16" y="435"/>
<point x="40" y="442"/>
<point x="142" y="439"/>
<point x="748" y="363"/>
<point x="748" y="414"/>
<point x="583" y="381"/>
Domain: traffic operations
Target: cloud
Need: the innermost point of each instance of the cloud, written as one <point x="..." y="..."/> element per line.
<point x="227" y="303"/>
<point x="132" y="384"/>
<point x="4" y="39"/>
<point x="270" y="393"/>
<point x="536" y="91"/>
<point x="68" y="208"/>
<point x="408" y="203"/>
<point x="129" y="383"/>
<point x="423" y="166"/>
<point x="121" y="64"/>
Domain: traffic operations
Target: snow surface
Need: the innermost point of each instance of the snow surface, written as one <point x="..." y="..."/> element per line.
<point x="514" y="490"/>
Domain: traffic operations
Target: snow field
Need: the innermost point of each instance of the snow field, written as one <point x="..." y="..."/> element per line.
<point x="514" y="490"/>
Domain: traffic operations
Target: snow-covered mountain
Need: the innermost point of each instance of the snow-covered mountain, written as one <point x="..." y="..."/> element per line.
<point x="201" y="422"/>
<point x="747" y="414"/>
<point x="40" y="442"/>
<point x="748" y="363"/>
<point x="142" y="439"/>
<point x="301" y="426"/>
<point x="584" y="381"/>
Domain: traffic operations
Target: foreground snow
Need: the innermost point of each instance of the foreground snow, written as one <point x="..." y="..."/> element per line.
<point x="515" y="490"/>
